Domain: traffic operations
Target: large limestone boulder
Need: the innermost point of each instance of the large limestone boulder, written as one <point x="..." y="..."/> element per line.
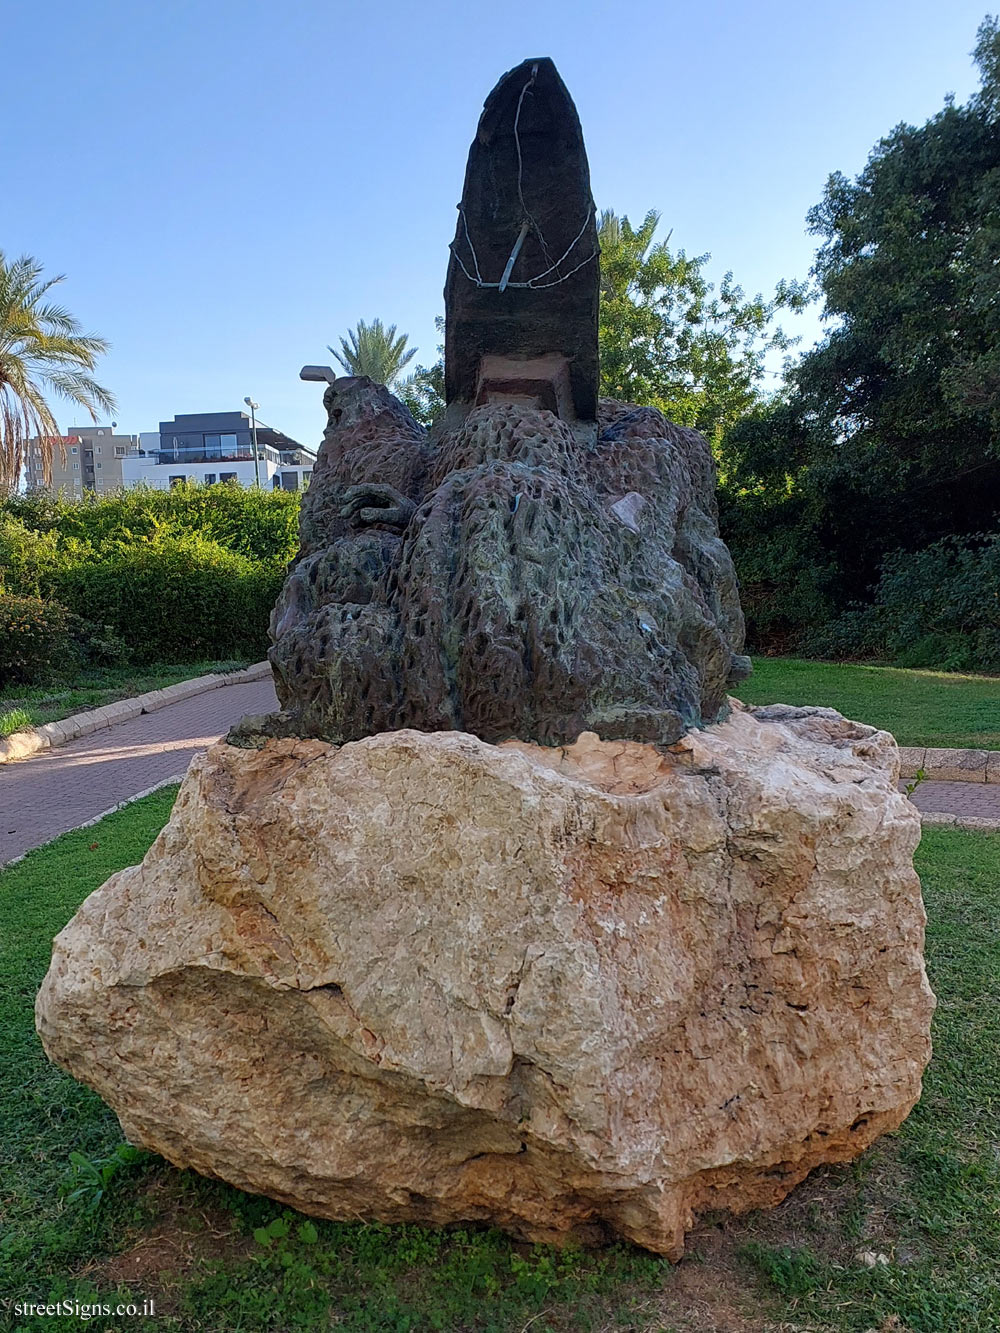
<point x="573" y="992"/>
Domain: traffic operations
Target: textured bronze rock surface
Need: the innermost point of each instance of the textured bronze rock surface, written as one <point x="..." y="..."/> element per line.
<point x="507" y="578"/>
<point x="571" y="992"/>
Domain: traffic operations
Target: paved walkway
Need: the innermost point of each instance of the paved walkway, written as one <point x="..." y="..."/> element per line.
<point x="977" y="799"/>
<point x="61" y="789"/>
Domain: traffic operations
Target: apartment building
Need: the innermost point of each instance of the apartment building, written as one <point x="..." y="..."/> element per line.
<point x="204" y="447"/>
<point x="210" y="447"/>
<point x="88" y="458"/>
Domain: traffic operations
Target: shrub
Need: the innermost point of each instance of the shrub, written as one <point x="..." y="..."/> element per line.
<point x="939" y="607"/>
<point x="176" y="599"/>
<point x="26" y="557"/>
<point x="786" y="580"/>
<point x="39" y="640"/>
<point x="261" y="525"/>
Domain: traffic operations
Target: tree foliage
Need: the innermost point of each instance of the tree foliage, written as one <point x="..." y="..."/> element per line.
<point x="42" y="352"/>
<point x="423" y="391"/>
<point x="374" y="350"/>
<point x="670" y="340"/>
<point x="667" y="339"/>
<point x="888" y="437"/>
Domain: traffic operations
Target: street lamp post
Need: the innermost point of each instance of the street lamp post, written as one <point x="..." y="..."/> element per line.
<point x="253" y="426"/>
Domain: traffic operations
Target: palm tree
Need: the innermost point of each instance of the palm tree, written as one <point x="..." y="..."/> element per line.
<point x="375" y="351"/>
<point x="42" y="351"/>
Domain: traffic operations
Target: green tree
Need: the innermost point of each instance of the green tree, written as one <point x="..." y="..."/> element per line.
<point x="423" y="391"/>
<point x="669" y="339"/>
<point x="890" y="435"/>
<point x="42" y="352"/>
<point x="374" y="350"/>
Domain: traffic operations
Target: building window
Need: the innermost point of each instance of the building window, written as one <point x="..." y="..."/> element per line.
<point x="100" y="432"/>
<point x="177" y="481"/>
<point x="74" y="450"/>
<point x="100" y="465"/>
<point x="227" y="476"/>
<point x="76" y="467"/>
<point x="98" y="448"/>
<point x="209" y="478"/>
<point x="119" y="451"/>
<point x="228" y="443"/>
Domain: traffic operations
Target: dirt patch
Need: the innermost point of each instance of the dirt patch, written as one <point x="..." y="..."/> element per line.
<point x="182" y="1237"/>
<point x="836" y="1212"/>
<point x="713" y="1291"/>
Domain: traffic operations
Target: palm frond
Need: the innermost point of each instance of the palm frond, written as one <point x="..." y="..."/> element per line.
<point x="374" y="350"/>
<point x="41" y="347"/>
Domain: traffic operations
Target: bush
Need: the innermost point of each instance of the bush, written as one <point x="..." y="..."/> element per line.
<point x="39" y="641"/>
<point x="175" y="575"/>
<point x="176" y="599"/>
<point x="939" y="607"/>
<point x="786" y="580"/>
<point x="26" y="557"/>
<point x="261" y="525"/>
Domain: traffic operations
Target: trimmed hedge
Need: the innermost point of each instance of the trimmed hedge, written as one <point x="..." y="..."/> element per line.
<point x="175" y="576"/>
<point x="177" y="599"/>
<point x="261" y="525"/>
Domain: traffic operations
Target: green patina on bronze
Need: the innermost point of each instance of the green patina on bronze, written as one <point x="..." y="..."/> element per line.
<point x="541" y="564"/>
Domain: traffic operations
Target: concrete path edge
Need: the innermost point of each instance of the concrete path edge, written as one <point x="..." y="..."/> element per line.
<point x="967" y="823"/>
<point x="22" y="744"/>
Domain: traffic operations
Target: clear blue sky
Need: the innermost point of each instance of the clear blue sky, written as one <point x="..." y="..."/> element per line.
<point x="230" y="184"/>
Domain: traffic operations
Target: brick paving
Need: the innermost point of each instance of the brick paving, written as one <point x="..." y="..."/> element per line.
<point x="966" y="799"/>
<point x="63" y="788"/>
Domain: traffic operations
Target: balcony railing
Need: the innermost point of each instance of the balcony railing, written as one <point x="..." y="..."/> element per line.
<point x="241" y="454"/>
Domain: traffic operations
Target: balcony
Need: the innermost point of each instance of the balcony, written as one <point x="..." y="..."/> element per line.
<point x="243" y="453"/>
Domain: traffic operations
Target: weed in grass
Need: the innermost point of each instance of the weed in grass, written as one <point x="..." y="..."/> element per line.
<point x="792" y="1272"/>
<point x="13" y="720"/>
<point x="88" y="1182"/>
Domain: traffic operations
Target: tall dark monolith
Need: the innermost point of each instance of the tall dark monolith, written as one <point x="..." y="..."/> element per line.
<point x="524" y="278"/>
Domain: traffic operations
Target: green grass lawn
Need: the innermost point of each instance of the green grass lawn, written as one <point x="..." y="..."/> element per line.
<point x="919" y="707"/>
<point x="99" y="1226"/>
<point x="24" y="707"/>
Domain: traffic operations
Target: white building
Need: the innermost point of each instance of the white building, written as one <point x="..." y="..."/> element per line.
<point x="212" y="447"/>
<point x="149" y="468"/>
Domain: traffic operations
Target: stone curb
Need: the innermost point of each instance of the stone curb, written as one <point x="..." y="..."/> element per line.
<point x="950" y="765"/>
<point x="22" y="744"/>
<point x="968" y="823"/>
